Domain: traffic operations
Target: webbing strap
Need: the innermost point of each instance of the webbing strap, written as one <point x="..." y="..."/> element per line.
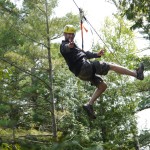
<point x="81" y="26"/>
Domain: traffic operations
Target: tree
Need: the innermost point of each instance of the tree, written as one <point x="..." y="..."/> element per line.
<point x="118" y="103"/>
<point x="45" y="29"/>
<point x="145" y="138"/>
<point x="136" y="11"/>
<point x="34" y="79"/>
<point x="115" y="125"/>
<point x="37" y="25"/>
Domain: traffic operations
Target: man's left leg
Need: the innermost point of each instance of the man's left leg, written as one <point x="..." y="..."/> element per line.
<point x="100" y="89"/>
<point x="89" y="106"/>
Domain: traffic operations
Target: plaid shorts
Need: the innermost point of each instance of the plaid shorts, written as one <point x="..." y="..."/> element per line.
<point x="90" y="71"/>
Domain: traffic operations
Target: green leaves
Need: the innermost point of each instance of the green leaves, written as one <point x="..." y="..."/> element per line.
<point x="137" y="11"/>
<point x="26" y="95"/>
<point x="119" y="40"/>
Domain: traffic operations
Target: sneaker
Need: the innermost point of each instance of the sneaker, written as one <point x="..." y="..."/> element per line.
<point x="139" y="71"/>
<point x="89" y="110"/>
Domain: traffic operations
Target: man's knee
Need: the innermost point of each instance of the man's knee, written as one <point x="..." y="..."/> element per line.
<point x="113" y="66"/>
<point x="102" y="86"/>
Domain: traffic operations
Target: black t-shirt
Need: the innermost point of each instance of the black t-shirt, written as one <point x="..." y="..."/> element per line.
<point x="75" y="57"/>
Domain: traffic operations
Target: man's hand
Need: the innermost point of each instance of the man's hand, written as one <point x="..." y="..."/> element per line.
<point x="101" y="52"/>
<point x="71" y="44"/>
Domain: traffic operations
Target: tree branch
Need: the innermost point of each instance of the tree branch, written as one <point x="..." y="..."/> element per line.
<point x="40" y="43"/>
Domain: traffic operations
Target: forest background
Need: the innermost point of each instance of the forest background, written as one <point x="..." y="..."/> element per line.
<point x="41" y="101"/>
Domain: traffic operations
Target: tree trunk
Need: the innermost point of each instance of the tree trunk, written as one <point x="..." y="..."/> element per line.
<point x="52" y="109"/>
<point x="13" y="142"/>
<point x="137" y="145"/>
<point x="136" y="141"/>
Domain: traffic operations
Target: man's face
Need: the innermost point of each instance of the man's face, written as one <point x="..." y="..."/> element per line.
<point x="69" y="36"/>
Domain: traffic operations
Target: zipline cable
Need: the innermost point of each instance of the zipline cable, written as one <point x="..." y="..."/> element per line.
<point x="82" y="16"/>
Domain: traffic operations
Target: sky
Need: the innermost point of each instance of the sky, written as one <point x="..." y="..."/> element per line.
<point x="96" y="11"/>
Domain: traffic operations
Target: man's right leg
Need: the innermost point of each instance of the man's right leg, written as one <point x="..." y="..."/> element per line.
<point x="137" y="73"/>
<point x="122" y="70"/>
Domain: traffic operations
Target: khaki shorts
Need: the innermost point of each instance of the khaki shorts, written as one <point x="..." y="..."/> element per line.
<point x="90" y="71"/>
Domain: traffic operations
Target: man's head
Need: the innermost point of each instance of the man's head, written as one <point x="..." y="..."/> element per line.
<point x="69" y="32"/>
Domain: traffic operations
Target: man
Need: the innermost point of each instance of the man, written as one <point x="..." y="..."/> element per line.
<point x="78" y="63"/>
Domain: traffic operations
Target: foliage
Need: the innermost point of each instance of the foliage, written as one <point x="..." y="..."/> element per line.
<point x="145" y="138"/>
<point x="136" y="11"/>
<point x="25" y="101"/>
